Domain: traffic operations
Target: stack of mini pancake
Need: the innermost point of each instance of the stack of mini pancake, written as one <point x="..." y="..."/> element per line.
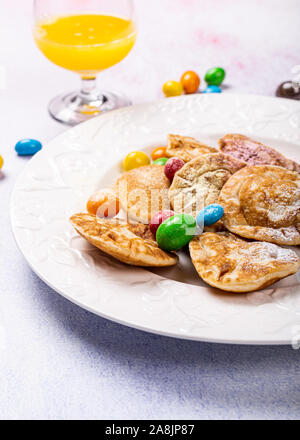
<point x="258" y="188"/>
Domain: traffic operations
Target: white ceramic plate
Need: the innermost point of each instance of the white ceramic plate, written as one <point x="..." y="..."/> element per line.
<point x="175" y="302"/>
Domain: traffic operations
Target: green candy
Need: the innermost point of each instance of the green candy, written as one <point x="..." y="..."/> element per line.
<point x="215" y="76"/>
<point x="176" y="232"/>
<point x="162" y="161"/>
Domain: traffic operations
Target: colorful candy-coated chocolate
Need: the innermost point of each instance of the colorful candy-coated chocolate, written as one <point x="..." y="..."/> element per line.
<point x="210" y="215"/>
<point x="158" y="153"/>
<point x="103" y="204"/>
<point x="172" y="88"/>
<point x="28" y="147"/>
<point x="176" y="232"/>
<point x="215" y="76"/>
<point x="212" y="89"/>
<point x="158" y="219"/>
<point x="162" y="161"/>
<point x="135" y="159"/>
<point x="190" y="82"/>
<point x="172" y="166"/>
<point x="288" y="90"/>
<point x="1" y="161"/>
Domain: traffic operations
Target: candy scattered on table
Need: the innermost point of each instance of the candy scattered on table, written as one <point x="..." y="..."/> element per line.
<point x="135" y="159"/>
<point x="190" y="82"/>
<point x="172" y="88"/>
<point x="28" y="147"/>
<point x="159" y="218"/>
<point x="210" y="215"/>
<point x="176" y="232"/>
<point x="289" y="90"/>
<point x="172" y="166"/>
<point x="158" y="153"/>
<point x="104" y="204"/>
<point x="162" y="161"/>
<point x="212" y="89"/>
<point x="1" y="161"/>
<point x="215" y="76"/>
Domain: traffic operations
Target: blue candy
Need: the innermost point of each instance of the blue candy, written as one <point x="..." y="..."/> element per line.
<point x="28" y="147"/>
<point x="210" y="215"/>
<point x="212" y="89"/>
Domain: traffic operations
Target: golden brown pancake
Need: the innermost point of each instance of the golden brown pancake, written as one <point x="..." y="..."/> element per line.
<point x="130" y="244"/>
<point x="229" y="263"/>
<point x="254" y="153"/>
<point x="199" y="182"/>
<point x="143" y="191"/>
<point x="263" y="203"/>
<point x="186" y="148"/>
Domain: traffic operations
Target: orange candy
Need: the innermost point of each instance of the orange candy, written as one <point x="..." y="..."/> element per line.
<point x="158" y="153"/>
<point x="104" y="204"/>
<point x="190" y="82"/>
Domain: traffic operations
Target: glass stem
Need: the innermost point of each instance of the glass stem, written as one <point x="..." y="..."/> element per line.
<point x="89" y="91"/>
<point x="88" y="85"/>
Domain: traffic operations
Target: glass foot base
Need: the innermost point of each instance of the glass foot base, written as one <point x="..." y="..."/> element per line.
<point x="74" y="108"/>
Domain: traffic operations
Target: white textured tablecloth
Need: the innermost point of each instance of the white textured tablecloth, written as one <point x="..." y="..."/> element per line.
<point x="58" y="361"/>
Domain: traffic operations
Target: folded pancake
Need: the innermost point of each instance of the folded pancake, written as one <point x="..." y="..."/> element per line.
<point x="143" y="191"/>
<point x="130" y="244"/>
<point x="254" y="153"/>
<point x="263" y="203"/>
<point x="229" y="263"/>
<point x="199" y="182"/>
<point x="186" y="148"/>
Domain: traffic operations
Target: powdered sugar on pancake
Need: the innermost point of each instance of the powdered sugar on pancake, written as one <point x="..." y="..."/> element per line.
<point x="263" y="252"/>
<point x="263" y="203"/>
<point x="226" y="261"/>
<point x="199" y="182"/>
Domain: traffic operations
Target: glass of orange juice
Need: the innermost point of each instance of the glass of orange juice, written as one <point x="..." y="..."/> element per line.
<point x="86" y="37"/>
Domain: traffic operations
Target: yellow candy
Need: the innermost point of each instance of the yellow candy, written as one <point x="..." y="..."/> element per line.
<point x="1" y="162"/>
<point x="135" y="159"/>
<point x="172" y="88"/>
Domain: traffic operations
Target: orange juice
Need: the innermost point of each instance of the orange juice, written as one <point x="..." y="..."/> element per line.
<point x="87" y="43"/>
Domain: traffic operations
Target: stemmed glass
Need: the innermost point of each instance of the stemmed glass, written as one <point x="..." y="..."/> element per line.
<point x="86" y="37"/>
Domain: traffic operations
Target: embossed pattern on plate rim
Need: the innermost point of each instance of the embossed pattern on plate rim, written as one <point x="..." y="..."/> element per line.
<point x="158" y="308"/>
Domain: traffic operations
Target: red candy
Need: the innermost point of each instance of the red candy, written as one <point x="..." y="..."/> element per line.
<point x="172" y="166"/>
<point x="158" y="219"/>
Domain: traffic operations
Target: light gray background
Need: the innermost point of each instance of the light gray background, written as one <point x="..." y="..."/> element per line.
<point x="58" y="361"/>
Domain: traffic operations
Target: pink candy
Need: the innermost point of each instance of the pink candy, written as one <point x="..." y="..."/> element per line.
<point x="172" y="166"/>
<point x="158" y="219"/>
